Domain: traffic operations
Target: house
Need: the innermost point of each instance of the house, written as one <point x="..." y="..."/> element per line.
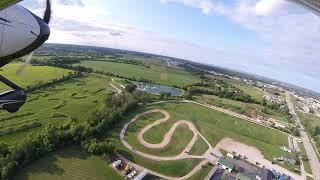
<point x="286" y="149"/>
<point x="230" y="155"/>
<point x="217" y="175"/>
<point x="265" y="174"/>
<point x="141" y="175"/>
<point x="116" y="163"/>
<point x="227" y="165"/>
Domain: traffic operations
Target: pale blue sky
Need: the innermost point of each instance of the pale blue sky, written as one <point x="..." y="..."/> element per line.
<point x="272" y="38"/>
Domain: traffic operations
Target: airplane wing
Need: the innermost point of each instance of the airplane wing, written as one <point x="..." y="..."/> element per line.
<point x="313" y="5"/>
<point x="6" y="3"/>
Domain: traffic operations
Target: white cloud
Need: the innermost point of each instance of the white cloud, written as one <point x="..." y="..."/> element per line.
<point x="206" y="6"/>
<point x="266" y="7"/>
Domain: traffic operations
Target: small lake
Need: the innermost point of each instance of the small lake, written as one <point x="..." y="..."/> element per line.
<point x="157" y="89"/>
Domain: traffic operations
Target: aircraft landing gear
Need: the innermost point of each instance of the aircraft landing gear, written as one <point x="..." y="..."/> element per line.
<point x="11" y="100"/>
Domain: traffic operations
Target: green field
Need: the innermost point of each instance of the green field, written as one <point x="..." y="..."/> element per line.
<point x="306" y="163"/>
<point x="202" y="174"/>
<point x="157" y="73"/>
<point x="310" y="122"/>
<point x="212" y="124"/>
<point x="67" y="164"/>
<point x="31" y="75"/>
<point x="74" y="100"/>
<point x="249" y="109"/>
<point x="176" y="145"/>
<point x="6" y="3"/>
<point x="254" y="92"/>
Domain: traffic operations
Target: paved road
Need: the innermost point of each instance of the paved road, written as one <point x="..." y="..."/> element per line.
<point x="312" y="156"/>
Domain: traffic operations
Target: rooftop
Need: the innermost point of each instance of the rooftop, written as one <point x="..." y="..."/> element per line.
<point x="225" y="162"/>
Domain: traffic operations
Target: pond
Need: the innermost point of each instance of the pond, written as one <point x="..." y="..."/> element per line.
<point x="157" y="89"/>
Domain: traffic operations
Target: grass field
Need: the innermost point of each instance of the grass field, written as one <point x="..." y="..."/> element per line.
<point x="176" y="146"/>
<point x="202" y="173"/>
<point x="310" y="122"/>
<point x="31" y="75"/>
<point x="157" y="73"/>
<point x="249" y="109"/>
<point x="212" y="124"/>
<point x="306" y="163"/>
<point x="6" y="3"/>
<point x="247" y="89"/>
<point x="67" y="164"/>
<point x="72" y="100"/>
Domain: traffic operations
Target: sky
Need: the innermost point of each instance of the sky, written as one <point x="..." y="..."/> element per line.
<point x="272" y="38"/>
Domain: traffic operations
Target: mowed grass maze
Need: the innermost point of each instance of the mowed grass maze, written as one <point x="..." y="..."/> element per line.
<point x="157" y="73"/>
<point x="31" y="75"/>
<point x="66" y="164"/>
<point x="212" y="124"/>
<point x="72" y="100"/>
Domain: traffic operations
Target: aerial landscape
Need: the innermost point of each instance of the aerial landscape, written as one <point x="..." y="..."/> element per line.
<point x="234" y="119"/>
<point x="89" y="111"/>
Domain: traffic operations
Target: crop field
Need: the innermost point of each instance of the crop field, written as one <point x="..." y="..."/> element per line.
<point x="157" y="73"/>
<point x="73" y="100"/>
<point x="31" y="75"/>
<point x="212" y="124"/>
<point x="251" y="110"/>
<point x="66" y="164"/>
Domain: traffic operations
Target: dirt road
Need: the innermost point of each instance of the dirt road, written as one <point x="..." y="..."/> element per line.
<point x="206" y="157"/>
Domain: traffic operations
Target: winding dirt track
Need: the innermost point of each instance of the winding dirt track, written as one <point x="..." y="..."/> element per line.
<point x="165" y="142"/>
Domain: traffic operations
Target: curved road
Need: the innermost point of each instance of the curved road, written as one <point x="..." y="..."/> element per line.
<point x="166" y="140"/>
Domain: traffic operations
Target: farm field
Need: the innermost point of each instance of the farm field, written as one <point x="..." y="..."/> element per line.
<point x="73" y="100"/>
<point x="212" y="124"/>
<point x="157" y="73"/>
<point x="66" y="164"/>
<point x="249" y="109"/>
<point x="31" y="75"/>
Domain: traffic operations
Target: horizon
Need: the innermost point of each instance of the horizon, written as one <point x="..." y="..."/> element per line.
<point x="212" y="65"/>
<point x="271" y="33"/>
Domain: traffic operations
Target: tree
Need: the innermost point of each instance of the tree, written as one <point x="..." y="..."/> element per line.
<point x="264" y="102"/>
<point x="131" y="88"/>
<point x="316" y="131"/>
<point x="4" y="149"/>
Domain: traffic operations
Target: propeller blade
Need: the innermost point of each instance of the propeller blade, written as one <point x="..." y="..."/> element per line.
<point x="47" y="13"/>
<point x="28" y="59"/>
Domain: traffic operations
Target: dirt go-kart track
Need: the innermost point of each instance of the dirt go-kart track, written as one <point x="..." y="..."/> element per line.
<point x="211" y="154"/>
